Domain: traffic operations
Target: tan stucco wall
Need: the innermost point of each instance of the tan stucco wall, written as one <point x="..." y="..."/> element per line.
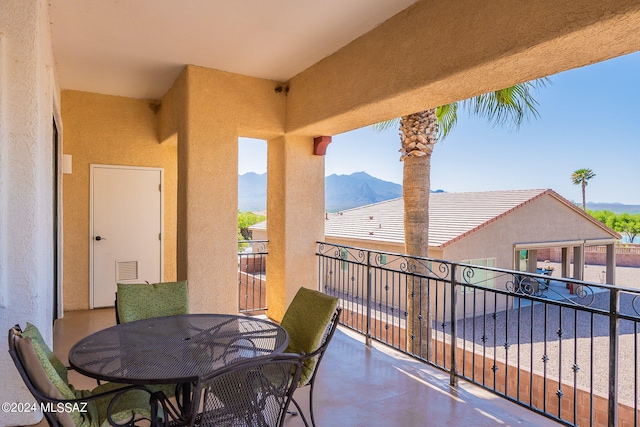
<point x="101" y="129"/>
<point x="544" y="219"/>
<point x="213" y="108"/>
<point x="29" y="99"/>
<point x="438" y="51"/>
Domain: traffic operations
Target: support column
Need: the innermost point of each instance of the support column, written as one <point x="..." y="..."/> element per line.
<point x="532" y="260"/>
<point x="208" y="216"/>
<point x="611" y="264"/>
<point x="566" y="263"/>
<point x="295" y="218"/>
<point x="208" y="109"/>
<point x="578" y="262"/>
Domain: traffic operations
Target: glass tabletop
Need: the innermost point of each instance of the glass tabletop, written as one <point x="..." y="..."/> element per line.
<point x="174" y="349"/>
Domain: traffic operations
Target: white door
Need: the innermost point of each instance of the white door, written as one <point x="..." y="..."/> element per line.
<point x="126" y="229"/>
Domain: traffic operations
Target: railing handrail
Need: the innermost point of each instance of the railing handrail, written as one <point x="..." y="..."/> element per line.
<point x="494" y="269"/>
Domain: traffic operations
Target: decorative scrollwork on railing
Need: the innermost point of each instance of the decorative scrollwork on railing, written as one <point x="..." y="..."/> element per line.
<point x="467" y="275"/>
<point x="257" y="246"/>
<point x="343" y="253"/>
<point x="635" y="304"/>
<point x="416" y="266"/>
<point x="580" y="294"/>
<point x="425" y="268"/>
<point x="379" y="260"/>
<point x="522" y="286"/>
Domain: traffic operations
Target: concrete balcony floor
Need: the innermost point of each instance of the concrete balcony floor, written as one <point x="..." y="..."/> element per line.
<point x="357" y="385"/>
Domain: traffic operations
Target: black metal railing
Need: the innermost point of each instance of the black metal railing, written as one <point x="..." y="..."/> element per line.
<point x="252" y="275"/>
<point x="564" y="348"/>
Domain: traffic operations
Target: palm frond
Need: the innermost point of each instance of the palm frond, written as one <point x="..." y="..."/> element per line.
<point x="508" y="106"/>
<point x="387" y="124"/>
<point x="447" y="119"/>
<point x="582" y="175"/>
<point x="505" y="107"/>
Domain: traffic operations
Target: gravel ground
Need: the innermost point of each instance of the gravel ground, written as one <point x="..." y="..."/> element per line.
<point x="570" y="339"/>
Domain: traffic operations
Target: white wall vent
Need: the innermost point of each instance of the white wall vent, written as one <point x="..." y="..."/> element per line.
<point x="126" y="270"/>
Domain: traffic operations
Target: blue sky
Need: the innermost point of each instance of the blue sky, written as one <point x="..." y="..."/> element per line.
<point x="589" y="118"/>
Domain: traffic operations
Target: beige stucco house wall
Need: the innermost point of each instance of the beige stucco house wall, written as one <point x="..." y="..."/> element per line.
<point x="544" y="220"/>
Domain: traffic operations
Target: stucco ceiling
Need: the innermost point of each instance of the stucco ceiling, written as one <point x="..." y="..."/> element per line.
<point x="137" y="48"/>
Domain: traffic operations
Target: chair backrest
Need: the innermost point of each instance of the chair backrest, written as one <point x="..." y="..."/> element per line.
<point x="39" y="383"/>
<point x="254" y="391"/>
<point x="33" y="332"/>
<point x="317" y="355"/>
<point x="307" y="320"/>
<point x="143" y="300"/>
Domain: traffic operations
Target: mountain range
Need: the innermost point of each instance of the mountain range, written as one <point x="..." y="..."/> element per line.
<point x="358" y="189"/>
<point x="613" y="207"/>
<point x="341" y="191"/>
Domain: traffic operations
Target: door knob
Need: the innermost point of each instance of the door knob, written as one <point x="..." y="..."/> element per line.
<point x="98" y="238"/>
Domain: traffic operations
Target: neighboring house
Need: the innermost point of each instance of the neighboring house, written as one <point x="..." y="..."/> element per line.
<point x="502" y="229"/>
<point x="492" y="229"/>
<point x="489" y="228"/>
<point x="484" y="228"/>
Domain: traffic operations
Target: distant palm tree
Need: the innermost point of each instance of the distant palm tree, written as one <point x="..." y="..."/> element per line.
<point x="582" y="177"/>
<point x="419" y="133"/>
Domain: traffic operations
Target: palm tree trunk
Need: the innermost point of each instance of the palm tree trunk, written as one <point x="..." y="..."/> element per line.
<point x="418" y="134"/>
<point x="584" y="198"/>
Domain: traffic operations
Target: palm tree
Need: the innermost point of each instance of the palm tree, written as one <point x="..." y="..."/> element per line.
<point x="582" y="177"/>
<point x="419" y="133"/>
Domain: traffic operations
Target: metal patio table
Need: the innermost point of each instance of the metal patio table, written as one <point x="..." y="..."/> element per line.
<point x="174" y="349"/>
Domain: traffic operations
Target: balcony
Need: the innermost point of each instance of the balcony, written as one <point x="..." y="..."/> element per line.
<point x="517" y="334"/>
<point x="358" y="385"/>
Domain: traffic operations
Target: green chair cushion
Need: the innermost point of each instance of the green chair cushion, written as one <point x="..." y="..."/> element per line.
<point x="48" y="382"/>
<point x="32" y="332"/>
<point x="306" y="320"/>
<point x="144" y="301"/>
<point x="132" y="402"/>
<point x="40" y="374"/>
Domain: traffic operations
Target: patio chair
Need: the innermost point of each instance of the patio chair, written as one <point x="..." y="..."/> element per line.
<point x="138" y="301"/>
<point x="311" y="320"/>
<point x="106" y="405"/>
<point x="252" y="392"/>
<point x="143" y="300"/>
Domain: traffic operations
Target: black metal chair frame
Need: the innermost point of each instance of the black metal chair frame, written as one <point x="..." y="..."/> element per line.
<point x="201" y="389"/>
<point x="115" y="306"/>
<point x="47" y="401"/>
<point x="319" y="353"/>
